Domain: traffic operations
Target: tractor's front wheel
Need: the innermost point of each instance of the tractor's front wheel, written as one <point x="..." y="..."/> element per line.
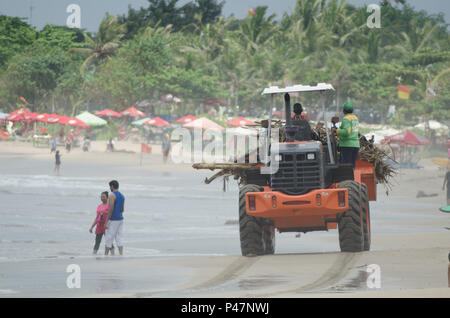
<point x="350" y="223"/>
<point x="255" y="233"/>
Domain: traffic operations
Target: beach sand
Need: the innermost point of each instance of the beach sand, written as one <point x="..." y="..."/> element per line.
<point x="410" y="242"/>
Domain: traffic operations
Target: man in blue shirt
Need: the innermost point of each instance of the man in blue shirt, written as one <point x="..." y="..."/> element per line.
<point x="114" y="222"/>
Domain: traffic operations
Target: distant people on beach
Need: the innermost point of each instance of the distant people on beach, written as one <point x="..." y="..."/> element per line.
<point x="100" y="222"/>
<point x="57" y="162"/>
<point x="68" y="143"/>
<point x="447" y="181"/>
<point x="61" y="134"/>
<point x="166" y="147"/>
<point x="114" y="226"/>
<point x="53" y="144"/>
<point x="110" y="145"/>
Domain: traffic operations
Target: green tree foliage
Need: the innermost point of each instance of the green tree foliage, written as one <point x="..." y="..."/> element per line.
<point x="15" y="35"/>
<point x="169" y="12"/>
<point x="188" y="50"/>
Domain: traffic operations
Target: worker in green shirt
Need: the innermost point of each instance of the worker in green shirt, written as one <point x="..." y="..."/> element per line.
<point x="348" y="136"/>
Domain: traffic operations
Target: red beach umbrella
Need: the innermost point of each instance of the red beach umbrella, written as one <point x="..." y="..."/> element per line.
<point x="407" y="138"/>
<point x="19" y="111"/>
<point x="42" y="117"/>
<point x="157" y="122"/>
<point x="204" y="123"/>
<point x="108" y="113"/>
<point x="15" y="117"/>
<point x="63" y="120"/>
<point x="132" y="112"/>
<point x="29" y="117"/>
<point x="53" y="118"/>
<point x="75" y="122"/>
<point x="186" y="119"/>
<point x="240" y="122"/>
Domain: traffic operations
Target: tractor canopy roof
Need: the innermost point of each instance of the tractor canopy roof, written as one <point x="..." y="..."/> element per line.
<point x="298" y="88"/>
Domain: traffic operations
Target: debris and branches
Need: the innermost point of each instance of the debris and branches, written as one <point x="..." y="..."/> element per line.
<point x="369" y="152"/>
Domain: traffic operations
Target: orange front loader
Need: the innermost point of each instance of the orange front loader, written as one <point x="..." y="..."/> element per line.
<point x="306" y="190"/>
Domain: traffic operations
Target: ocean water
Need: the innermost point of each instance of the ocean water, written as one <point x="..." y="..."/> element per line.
<point x="46" y="216"/>
<point x="43" y="216"/>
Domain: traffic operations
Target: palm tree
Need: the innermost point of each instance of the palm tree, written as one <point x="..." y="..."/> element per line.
<point x="103" y="44"/>
<point x="256" y="29"/>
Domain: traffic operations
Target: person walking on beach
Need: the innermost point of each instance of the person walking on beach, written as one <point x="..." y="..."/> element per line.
<point x="100" y="222"/>
<point x="68" y="144"/>
<point x="166" y="147"/>
<point x="114" y="225"/>
<point x="447" y="182"/>
<point x="57" y="162"/>
<point x="53" y="149"/>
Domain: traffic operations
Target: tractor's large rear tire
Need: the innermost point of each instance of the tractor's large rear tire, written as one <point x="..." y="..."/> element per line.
<point x="366" y="218"/>
<point x="350" y="223"/>
<point x="251" y="229"/>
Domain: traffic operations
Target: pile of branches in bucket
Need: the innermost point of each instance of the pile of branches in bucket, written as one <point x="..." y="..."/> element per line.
<point x="377" y="156"/>
<point x="369" y="152"/>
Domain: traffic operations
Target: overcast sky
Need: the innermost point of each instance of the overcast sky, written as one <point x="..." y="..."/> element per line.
<point x="92" y="11"/>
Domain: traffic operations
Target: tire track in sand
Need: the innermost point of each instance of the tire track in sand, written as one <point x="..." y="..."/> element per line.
<point x="232" y="271"/>
<point x="337" y="271"/>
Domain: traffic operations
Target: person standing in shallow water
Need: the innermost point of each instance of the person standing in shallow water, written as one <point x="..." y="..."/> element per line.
<point x="57" y="162"/>
<point x="114" y="225"/>
<point x="447" y="181"/>
<point x="100" y="222"/>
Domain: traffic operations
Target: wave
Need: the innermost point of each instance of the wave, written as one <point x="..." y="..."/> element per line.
<point x="92" y="186"/>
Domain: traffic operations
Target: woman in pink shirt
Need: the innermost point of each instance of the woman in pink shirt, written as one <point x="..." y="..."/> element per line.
<point x="100" y="222"/>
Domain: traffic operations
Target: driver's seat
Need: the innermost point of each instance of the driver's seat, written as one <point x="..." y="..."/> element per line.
<point x="304" y="131"/>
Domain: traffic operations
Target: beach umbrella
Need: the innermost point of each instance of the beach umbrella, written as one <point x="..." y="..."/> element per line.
<point x="204" y="123"/>
<point x="140" y="122"/>
<point x="15" y="117"/>
<point x="186" y="119"/>
<point x="433" y="125"/>
<point x="75" y="122"/>
<point x="30" y="117"/>
<point x="243" y="131"/>
<point x="407" y="138"/>
<point x="63" y="120"/>
<point x="157" y="122"/>
<point x="108" y="113"/>
<point x="53" y="118"/>
<point x="42" y="117"/>
<point x="91" y="120"/>
<point x="132" y="112"/>
<point x="240" y="122"/>
<point x="19" y="111"/>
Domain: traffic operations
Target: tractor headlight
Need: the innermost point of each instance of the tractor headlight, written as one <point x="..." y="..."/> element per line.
<point x="311" y="156"/>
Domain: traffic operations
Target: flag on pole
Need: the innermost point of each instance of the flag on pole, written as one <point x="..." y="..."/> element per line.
<point x="23" y="100"/>
<point x="251" y="11"/>
<point x="403" y="92"/>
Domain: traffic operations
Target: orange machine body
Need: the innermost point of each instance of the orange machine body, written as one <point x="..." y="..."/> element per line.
<point x="316" y="210"/>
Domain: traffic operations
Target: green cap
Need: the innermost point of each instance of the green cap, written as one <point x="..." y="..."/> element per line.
<point x="348" y="107"/>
